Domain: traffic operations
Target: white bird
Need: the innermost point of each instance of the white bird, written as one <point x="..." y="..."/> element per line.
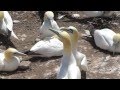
<point x="68" y="68"/>
<point x="80" y="57"/>
<point x="8" y="60"/>
<point x="107" y="39"/>
<point x="6" y="25"/>
<point x="49" y="22"/>
<point x="93" y="13"/>
<point x="48" y="47"/>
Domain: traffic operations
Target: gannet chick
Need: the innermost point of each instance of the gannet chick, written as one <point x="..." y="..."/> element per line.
<point x="107" y="39"/>
<point x="93" y="13"/>
<point x="80" y="57"/>
<point x="9" y="60"/>
<point x="6" y="25"/>
<point x="68" y="67"/>
<point x="49" y="22"/>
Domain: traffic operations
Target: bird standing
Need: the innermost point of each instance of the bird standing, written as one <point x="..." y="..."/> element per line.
<point x="49" y="45"/>
<point x="49" y="22"/>
<point x="6" y="24"/>
<point x="68" y="67"/>
<point x="80" y="57"/>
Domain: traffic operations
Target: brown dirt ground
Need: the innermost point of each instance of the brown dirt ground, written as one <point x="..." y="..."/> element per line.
<point x="102" y="65"/>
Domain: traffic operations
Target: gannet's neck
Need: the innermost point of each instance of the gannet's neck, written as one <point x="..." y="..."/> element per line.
<point x="67" y="48"/>
<point x="67" y="54"/>
<point x="74" y="42"/>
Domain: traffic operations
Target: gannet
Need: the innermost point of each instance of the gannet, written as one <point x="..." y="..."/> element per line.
<point x="68" y="68"/>
<point x="9" y="60"/>
<point x="107" y="39"/>
<point x="6" y="25"/>
<point x="80" y="57"/>
<point x="49" y="22"/>
<point x="48" y="47"/>
<point x="93" y="13"/>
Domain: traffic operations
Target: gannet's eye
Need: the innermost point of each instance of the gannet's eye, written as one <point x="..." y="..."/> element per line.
<point x="70" y="30"/>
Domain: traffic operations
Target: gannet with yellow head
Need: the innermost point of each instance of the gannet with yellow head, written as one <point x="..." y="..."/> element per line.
<point x="49" y="46"/>
<point x="49" y="22"/>
<point x="9" y="60"/>
<point x="68" y="67"/>
<point x="80" y="57"/>
<point x="107" y="39"/>
<point x="6" y="24"/>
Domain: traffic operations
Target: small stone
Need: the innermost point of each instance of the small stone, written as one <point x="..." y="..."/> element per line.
<point x="25" y="64"/>
<point x="75" y="15"/>
<point x="23" y="37"/>
<point x="37" y="40"/>
<point x="16" y="21"/>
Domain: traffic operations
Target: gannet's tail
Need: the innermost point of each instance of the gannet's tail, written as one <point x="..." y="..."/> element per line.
<point x="13" y="35"/>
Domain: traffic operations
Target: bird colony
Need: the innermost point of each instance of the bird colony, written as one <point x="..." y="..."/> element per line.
<point x="55" y="41"/>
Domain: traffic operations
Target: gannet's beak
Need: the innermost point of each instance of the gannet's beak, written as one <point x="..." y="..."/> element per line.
<point x="20" y="54"/>
<point x="57" y="32"/>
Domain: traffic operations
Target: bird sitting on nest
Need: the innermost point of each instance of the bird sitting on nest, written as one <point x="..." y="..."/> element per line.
<point x="9" y="60"/>
<point x="49" y="45"/>
<point x="107" y="39"/>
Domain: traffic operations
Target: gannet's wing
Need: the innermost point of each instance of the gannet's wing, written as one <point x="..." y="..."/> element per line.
<point x="48" y="48"/>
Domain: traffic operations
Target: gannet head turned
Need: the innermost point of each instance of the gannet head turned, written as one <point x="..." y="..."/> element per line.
<point x="10" y="52"/>
<point x="1" y="15"/>
<point x="72" y="31"/>
<point x="63" y="35"/>
<point x="116" y="40"/>
<point x="48" y="15"/>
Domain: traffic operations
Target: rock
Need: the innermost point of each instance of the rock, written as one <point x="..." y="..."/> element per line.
<point x="23" y="36"/>
<point x="24" y="64"/>
<point x="16" y="21"/>
<point x="75" y="15"/>
<point x="37" y="40"/>
<point x="61" y="16"/>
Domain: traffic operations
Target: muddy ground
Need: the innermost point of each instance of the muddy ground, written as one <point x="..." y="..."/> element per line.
<point x="102" y="65"/>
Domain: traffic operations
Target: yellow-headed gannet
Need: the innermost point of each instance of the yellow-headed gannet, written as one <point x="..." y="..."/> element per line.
<point x="49" y="45"/>
<point x="8" y="59"/>
<point x="80" y="57"/>
<point x="49" y="22"/>
<point x="68" y="68"/>
<point x="6" y="25"/>
<point x="107" y="39"/>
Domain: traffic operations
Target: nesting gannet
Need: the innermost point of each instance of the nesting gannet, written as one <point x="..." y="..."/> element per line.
<point x="80" y="57"/>
<point x="6" y="25"/>
<point x="9" y="62"/>
<point x="68" y="67"/>
<point x="48" y="47"/>
<point x="93" y="13"/>
<point x="49" y="22"/>
<point x="107" y="39"/>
